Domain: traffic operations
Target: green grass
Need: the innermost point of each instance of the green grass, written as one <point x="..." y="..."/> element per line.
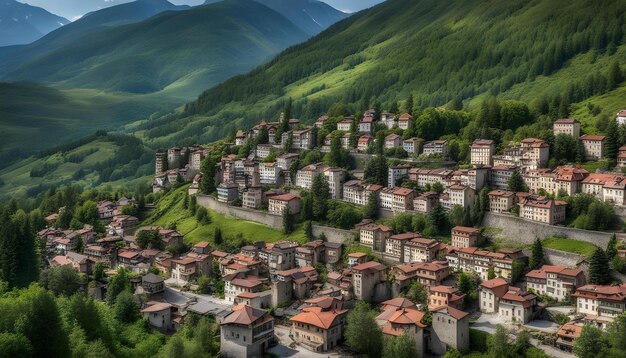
<point x="591" y="167"/>
<point x="170" y="209"/>
<point x="564" y="244"/>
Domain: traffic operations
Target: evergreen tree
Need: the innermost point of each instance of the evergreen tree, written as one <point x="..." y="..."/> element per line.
<point x="516" y="182"/>
<point x="371" y="209"/>
<point x="537" y="258"/>
<point x="126" y="307"/>
<point x="408" y="104"/>
<point x="288" y="221"/>
<point x="615" y="75"/>
<point x="437" y="220"/>
<point x="611" y="249"/>
<point x="402" y="346"/>
<point x="308" y="230"/>
<point x="320" y="192"/>
<point x="464" y="283"/>
<point x="491" y="273"/>
<point x="217" y="236"/>
<point x="580" y="152"/>
<point x="61" y="280"/>
<point x="18" y="260"/>
<point x="612" y="141"/>
<point x="498" y="343"/>
<point x="362" y="332"/>
<point x="117" y="284"/>
<point x="306" y="210"/>
<point x="208" y="169"/>
<point x="599" y="268"/>
<point x="193" y="204"/>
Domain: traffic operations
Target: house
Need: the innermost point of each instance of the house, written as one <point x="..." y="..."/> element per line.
<point x="557" y="282"/>
<point x="510" y="303"/>
<point x="319" y="123"/>
<point x="332" y="255"/>
<point x="445" y="296"/>
<point x="547" y="211"/>
<point x="501" y="201"/>
<point x="334" y="178"/>
<point x="567" y="126"/>
<point x="263" y="150"/>
<point x="435" y="147"/>
<point x="482" y="151"/>
<point x="402" y="199"/>
<point x="567" y="334"/>
<point x="78" y="262"/>
<point x="344" y="125"/>
<point x="365" y="279"/>
<point x="412" y="145"/>
<point x="152" y="283"/>
<point x="364" y="142"/>
<point x="425" y="202"/>
<point x="289" y="202"/>
<point x="450" y="329"/>
<point x="365" y="124"/>
<point x="284" y="161"/>
<point x="246" y="332"/>
<point x="282" y="256"/>
<point x="395" y="173"/>
<point x="427" y="273"/>
<point x="184" y="270"/>
<point x="405" y="121"/>
<point x="375" y="236"/>
<point x="564" y="178"/>
<point x="461" y="195"/>
<point x="356" y="258"/>
<point x="465" y="236"/>
<point x="499" y="176"/>
<point x="419" y="249"/>
<point x="240" y="282"/>
<point x="400" y="316"/>
<point x="601" y="303"/>
<point x="621" y="157"/>
<point x="392" y="141"/>
<point x="240" y="137"/>
<point x="388" y="119"/>
<point x="593" y="146"/>
<point x="159" y="315"/>
<point x="621" y="117"/>
<point x="310" y="254"/>
<point x="296" y="283"/>
<point x="355" y="192"/>
<point x="318" y="329"/>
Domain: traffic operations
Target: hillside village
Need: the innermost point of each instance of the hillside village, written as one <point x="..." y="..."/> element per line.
<point x="307" y="290"/>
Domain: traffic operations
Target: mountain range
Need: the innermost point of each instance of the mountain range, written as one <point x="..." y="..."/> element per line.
<point x="23" y="23"/>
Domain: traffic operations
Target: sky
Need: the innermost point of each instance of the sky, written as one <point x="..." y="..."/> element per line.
<point x="74" y="9"/>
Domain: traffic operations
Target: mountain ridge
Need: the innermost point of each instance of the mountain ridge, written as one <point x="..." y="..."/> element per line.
<point x="22" y="23"/>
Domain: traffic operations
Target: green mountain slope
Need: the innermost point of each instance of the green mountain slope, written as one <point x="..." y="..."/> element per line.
<point x="181" y="51"/>
<point x="437" y="50"/>
<point x="311" y="16"/>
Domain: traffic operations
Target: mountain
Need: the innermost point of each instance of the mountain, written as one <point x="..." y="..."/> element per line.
<point x="438" y="51"/>
<point x="312" y="16"/>
<point x="352" y="5"/>
<point x="74" y="9"/>
<point x="23" y="23"/>
<point x="220" y="40"/>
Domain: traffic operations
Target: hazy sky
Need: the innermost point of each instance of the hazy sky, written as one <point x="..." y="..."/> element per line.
<point x="73" y="9"/>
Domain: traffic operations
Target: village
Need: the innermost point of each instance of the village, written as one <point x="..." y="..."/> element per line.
<point x="298" y="296"/>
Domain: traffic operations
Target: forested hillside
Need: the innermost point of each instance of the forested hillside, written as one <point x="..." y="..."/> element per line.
<point x="436" y="50"/>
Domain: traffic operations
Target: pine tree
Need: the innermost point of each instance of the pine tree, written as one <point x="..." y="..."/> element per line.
<point x="402" y="346"/>
<point x="537" y="258"/>
<point x="217" y="236"/>
<point x="371" y="209"/>
<point x="611" y="249"/>
<point x="208" y="169"/>
<point x="308" y="230"/>
<point x="516" y="182"/>
<point x="408" y="104"/>
<point x="320" y="192"/>
<point x="615" y="75"/>
<point x="612" y="140"/>
<point x="491" y="273"/>
<point x="599" y="268"/>
<point x="288" y="221"/>
<point x="362" y="332"/>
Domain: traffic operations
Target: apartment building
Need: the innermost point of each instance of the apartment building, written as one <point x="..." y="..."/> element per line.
<point x="238" y="282"/>
<point x="375" y="236"/>
<point x="344" y="125"/>
<point x="284" y="161"/>
<point x="335" y="178"/>
<point x="252" y="198"/>
<point x="427" y="273"/>
<point x="445" y="296"/>
<point x="473" y="259"/>
<point x="392" y="141"/>
<point x="499" y="176"/>
<point x="593" y="146"/>
<point x="246" y="332"/>
<point x="319" y="328"/>
<point x="425" y="202"/>
<point x="277" y="204"/>
<point x="601" y="303"/>
<point x="542" y="210"/>
<point x="394" y="245"/>
<point x="356" y="193"/>
<point x="482" y="151"/>
<point x="402" y="199"/>
<point x="365" y="124"/>
<point x="303" y="139"/>
<point x="412" y="145"/>
<point x="436" y="147"/>
<point x="263" y="150"/>
<point x="460" y="195"/>
<point x="529" y="154"/>
<point x="405" y="121"/>
<point x="465" y="236"/>
<point x="388" y="119"/>
<point x="365" y="278"/>
<point x="364" y="142"/>
<point x="567" y="126"/>
<point x="558" y="282"/>
<point x="566" y="179"/>
<point x="510" y="303"/>
<point x="396" y="173"/>
<point x="269" y="173"/>
<point x="420" y="249"/>
<point x="304" y="176"/>
<point x="501" y="201"/>
<point x="424" y="177"/>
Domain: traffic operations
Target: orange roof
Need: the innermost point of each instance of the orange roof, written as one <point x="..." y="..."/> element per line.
<point x="498" y="285"/>
<point x="284" y="197"/>
<point x="570" y="330"/>
<point x="592" y="137"/>
<point x="245" y="315"/>
<point x="613" y="293"/>
<point x="398" y="302"/>
<point x="455" y="313"/>
<point x="405" y="316"/>
<point x="156" y="307"/>
<point x="317" y="317"/>
<point x="370" y="265"/>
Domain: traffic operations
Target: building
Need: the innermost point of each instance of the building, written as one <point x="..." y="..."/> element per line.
<point x="436" y="147"/>
<point x="388" y="119"/>
<point x="375" y="236"/>
<point x="303" y="139"/>
<point x="159" y="315"/>
<point x="557" y="282"/>
<point x="344" y="125"/>
<point x="541" y="210"/>
<point x="365" y="124"/>
<point x="567" y="126"/>
<point x="473" y="259"/>
<point x="365" y="278"/>
<point x="239" y="282"/>
<point x="278" y="204"/>
<point x="427" y="273"/>
<point x="510" y="303"/>
<point x="335" y="178"/>
<point x="567" y="334"/>
<point x="252" y="198"/>
<point x="450" y="329"/>
<point x="461" y="195"/>
<point x="499" y="176"/>
<point x="445" y="296"/>
<point x="420" y="249"/>
<point x="318" y="329"/>
<point x="393" y="141"/>
<point x="465" y="236"/>
<point x="364" y="142"/>
<point x="529" y="154"/>
<point x="396" y="173"/>
<point x="263" y="150"/>
<point x="412" y="145"/>
<point x="593" y="146"/>
<point x="227" y="192"/>
<point x="184" y="270"/>
<point x="240" y="137"/>
<point x="621" y="117"/>
<point x="621" y="157"/>
<point x="305" y="176"/>
<point x="405" y="121"/>
<point x="152" y="283"/>
<point x="425" y="202"/>
<point x="601" y="303"/>
<point x="402" y="199"/>
<point x="400" y="316"/>
<point x="246" y="332"/>
<point x="566" y="179"/>
<point x="269" y="173"/>
<point x="284" y="161"/>
<point x="501" y="201"/>
<point x="482" y="151"/>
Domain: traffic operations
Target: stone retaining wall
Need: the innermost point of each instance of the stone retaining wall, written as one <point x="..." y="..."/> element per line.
<point x="558" y="258"/>
<point x="515" y="229"/>
<point x="332" y="234"/>
<point x="265" y="218"/>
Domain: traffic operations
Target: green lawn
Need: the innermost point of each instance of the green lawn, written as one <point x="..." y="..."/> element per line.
<point x="170" y="209"/>
<point x="568" y="245"/>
